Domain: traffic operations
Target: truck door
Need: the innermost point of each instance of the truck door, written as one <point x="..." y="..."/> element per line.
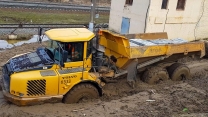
<point x="70" y="77"/>
<point x="125" y="25"/>
<point x="73" y="71"/>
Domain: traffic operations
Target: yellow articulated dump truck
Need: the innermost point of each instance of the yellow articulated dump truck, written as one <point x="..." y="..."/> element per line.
<point x="77" y="63"/>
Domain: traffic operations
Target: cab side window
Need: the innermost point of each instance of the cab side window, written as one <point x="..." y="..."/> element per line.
<point x="75" y="51"/>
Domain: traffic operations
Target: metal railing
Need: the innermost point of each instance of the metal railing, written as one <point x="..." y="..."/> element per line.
<point x="54" y="6"/>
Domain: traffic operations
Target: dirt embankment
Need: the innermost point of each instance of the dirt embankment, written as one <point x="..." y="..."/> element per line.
<point x="184" y="98"/>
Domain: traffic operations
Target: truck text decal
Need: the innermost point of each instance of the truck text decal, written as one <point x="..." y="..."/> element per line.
<point x="66" y="79"/>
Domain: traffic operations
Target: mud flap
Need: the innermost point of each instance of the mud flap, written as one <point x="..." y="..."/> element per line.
<point x="206" y="49"/>
<point x="132" y="73"/>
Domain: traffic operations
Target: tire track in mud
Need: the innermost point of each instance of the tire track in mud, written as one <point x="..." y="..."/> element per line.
<point x="1" y="99"/>
<point x="1" y="95"/>
<point x="4" y="107"/>
<point x="200" y="64"/>
<point x="195" y="66"/>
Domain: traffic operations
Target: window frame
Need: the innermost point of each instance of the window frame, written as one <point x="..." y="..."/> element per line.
<point x="89" y="47"/>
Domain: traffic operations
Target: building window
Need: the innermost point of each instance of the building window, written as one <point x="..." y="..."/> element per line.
<point x="164" y="4"/>
<point x="181" y="4"/>
<point x="129" y="2"/>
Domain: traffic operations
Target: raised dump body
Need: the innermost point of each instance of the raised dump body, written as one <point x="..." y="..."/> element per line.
<point x="128" y="47"/>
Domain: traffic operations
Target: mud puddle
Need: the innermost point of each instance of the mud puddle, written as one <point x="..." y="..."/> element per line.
<point x="5" y="44"/>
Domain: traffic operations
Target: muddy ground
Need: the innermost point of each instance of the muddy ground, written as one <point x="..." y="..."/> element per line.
<point x="184" y="98"/>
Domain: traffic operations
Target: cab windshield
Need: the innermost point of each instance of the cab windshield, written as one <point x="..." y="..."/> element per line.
<point x="75" y="50"/>
<point x="52" y="44"/>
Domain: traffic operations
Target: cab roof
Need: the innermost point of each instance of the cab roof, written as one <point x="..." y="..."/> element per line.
<point x="70" y="34"/>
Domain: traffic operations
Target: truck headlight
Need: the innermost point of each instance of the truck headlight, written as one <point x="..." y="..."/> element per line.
<point x="21" y="94"/>
<point x="12" y="92"/>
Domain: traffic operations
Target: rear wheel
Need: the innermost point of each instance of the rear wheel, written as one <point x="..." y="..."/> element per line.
<point x="81" y="93"/>
<point x="178" y="72"/>
<point x="155" y="75"/>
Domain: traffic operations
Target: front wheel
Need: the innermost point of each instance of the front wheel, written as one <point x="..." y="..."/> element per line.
<point x="80" y="93"/>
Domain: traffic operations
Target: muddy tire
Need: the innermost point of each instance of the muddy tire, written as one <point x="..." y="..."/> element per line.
<point x="80" y="93"/>
<point x="155" y="75"/>
<point x="178" y="72"/>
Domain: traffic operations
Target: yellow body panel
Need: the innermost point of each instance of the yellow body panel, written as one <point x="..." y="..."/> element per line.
<point x="70" y="34"/>
<point x="147" y="51"/>
<point x="186" y="48"/>
<point x="58" y="84"/>
<point x="67" y="81"/>
<point x="119" y="46"/>
<point x="19" y="82"/>
<point x="116" y="43"/>
<point x="169" y="49"/>
<point x="73" y="64"/>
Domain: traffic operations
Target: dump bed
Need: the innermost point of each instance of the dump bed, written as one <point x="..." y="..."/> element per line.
<point x="128" y="47"/>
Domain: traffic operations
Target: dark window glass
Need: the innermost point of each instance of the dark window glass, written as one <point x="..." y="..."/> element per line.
<point x="129" y="2"/>
<point x="181" y="4"/>
<point x="75" y="51"/>
<point x="164" y="4"/>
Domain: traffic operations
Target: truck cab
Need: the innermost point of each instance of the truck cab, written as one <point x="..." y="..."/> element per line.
<point x="71" y="46"/>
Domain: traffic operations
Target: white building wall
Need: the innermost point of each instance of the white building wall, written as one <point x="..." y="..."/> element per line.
<point x="136" y="13"/>
<point x="177" y="23"/>
<point x="202" y="27"/>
